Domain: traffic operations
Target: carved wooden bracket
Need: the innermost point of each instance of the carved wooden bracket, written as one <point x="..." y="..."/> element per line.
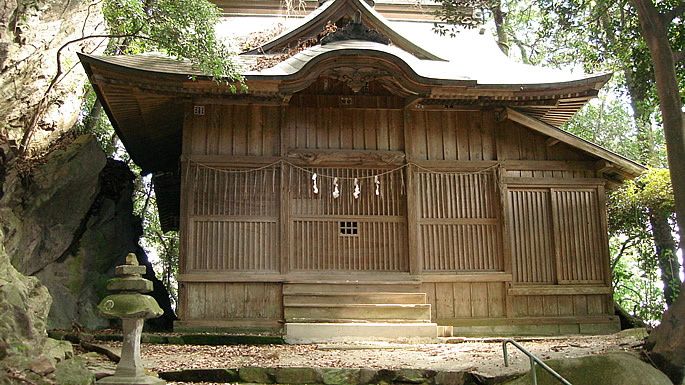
<point x="357" y="78"/>
<point x="355" y="30"/>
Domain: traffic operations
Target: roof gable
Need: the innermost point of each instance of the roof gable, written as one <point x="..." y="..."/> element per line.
<point x="334" y="11"/>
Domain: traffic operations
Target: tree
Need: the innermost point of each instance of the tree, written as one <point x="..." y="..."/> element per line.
<point x="635" y="213"/>
<point x="655" y="25"/>
<point x="184" y="29"/>
<point x="600" y="35"/>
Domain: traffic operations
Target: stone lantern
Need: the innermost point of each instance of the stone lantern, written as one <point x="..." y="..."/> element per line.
<point x="133" y="308"/>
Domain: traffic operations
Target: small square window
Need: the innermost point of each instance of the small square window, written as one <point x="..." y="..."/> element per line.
<point x="199" y="110"/>
<point x="349" y="228"/>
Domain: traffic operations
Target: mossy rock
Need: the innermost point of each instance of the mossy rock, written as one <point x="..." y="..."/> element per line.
<point x="614" y="369"/>
<point x="73" y="372"/>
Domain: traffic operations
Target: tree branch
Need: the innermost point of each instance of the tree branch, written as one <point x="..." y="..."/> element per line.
<point x="42" y="105"/>
<point x="626" y="244"/>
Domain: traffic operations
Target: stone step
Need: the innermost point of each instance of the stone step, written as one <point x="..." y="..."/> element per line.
<point x="351" y="286"/>
<point x="304" y="333"/>
<point x="354" y="297"/>
<point x="366" y="312"/>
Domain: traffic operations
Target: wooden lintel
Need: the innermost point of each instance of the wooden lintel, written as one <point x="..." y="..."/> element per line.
<point x="558" y="290"/>
<point x="229" y="160"/>
<point x="555" y="181"/>
<point x="347" y="157"/>
<point x="242" y="100"/>
<point x="230" y="277"/>
<point x="466" y="277"/>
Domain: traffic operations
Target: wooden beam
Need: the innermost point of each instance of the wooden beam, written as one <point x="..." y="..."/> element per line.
<point x="525" y="320"/>
<point x="465" y="277"/>
<point x="558" y="290"/>
<point x="555" y="181"/>
<point x="631" y="167"/>
<point x="551" y="142"/>
<point x="602" y="165"/>
<point x="230" y="277"/>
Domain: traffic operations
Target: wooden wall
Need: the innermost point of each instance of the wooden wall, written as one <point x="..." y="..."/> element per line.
<point x="492" y="216"/>
<point x="230" y="301"/>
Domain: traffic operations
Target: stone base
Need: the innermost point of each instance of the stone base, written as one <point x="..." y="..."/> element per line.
<point x="311" y="333"/>
<point x="531" y="327"/>
<point x="142" y="380"/>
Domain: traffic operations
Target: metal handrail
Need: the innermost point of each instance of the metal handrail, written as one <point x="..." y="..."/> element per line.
<point x="533" y="360"/>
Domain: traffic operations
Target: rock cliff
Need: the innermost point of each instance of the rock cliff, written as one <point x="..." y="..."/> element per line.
<point x="70" y="222"/>
<point x="66" y="212"/>
<point x="31" y="33"/>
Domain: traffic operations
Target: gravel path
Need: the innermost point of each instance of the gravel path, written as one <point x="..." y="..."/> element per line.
<point x="483" y="356"/>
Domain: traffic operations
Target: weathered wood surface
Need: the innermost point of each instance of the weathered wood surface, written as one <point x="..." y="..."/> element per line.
<point x="522" y="241"/>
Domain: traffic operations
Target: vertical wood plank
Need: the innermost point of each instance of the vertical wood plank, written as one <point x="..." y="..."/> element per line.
<point x="580" y="306"/>
<point x="550" y="305"/>
<point x="434" y="135"/>
<point x="496" y="307"/>
<point x="520" y="305"/>
<point x="475" y="136"/>
<point x="429" y="289"/>
<point x="462" y="300"/>
<point x="444" y="300"/>
<point x="535" y="306"/>
<point x="449" y="131"/>
<point x="479" y="300"/>
<point x="463" y="124"/>
<point x="489" y="138"/>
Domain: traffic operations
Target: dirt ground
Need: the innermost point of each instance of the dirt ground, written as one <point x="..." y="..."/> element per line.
<point x="483" y="356"/>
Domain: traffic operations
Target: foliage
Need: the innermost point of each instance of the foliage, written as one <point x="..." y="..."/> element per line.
<point x="154" y="240"/>
<point x="635" y="277"/>
<point x="184" y="29"/>
<point x="634" y="259"/>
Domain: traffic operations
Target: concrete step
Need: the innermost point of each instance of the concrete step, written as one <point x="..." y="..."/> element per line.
<point x="354" y="297"/>
<point x="309" y="333"/>
<point x="366" y="312"/>
<point x="351" y="287"/>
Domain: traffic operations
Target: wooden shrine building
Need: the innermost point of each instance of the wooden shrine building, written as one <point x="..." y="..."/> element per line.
<point x="366" y="186"/>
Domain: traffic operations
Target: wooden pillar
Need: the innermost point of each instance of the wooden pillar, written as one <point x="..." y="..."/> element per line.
<point x="183" y="233"/>
<point x="284" y="207"/>
<point x="412" y="224"/>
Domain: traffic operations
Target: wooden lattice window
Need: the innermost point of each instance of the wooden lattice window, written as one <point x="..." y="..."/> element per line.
<point x="349" y="228"/>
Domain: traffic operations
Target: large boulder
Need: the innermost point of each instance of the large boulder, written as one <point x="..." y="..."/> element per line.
<point x="24" y="306"/>
<point x="666" y="343"/>
<point x="111" y="231"/>
<point x="50" y="203"/>
<point x="69" y="222"/>
<point x="614" y="369"/>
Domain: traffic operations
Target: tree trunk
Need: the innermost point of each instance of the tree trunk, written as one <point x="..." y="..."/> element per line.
<point x="666" y="343"/>
<point x="500" y="26"/>
<point x="654" y="31"/>
<point x="666" y="254"/>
